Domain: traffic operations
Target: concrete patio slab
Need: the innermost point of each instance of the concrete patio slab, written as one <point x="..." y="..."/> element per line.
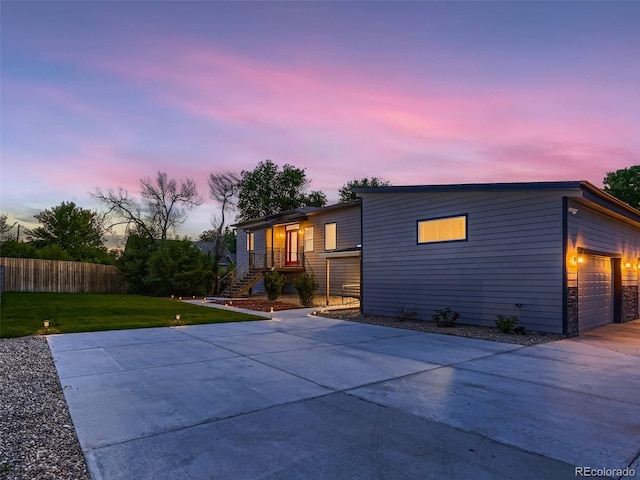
<point x="267" y="342"/>
<point x="616" y="337"/>
<point x="341" y="367"/>
<point x="351" y="333"/>
<point x="331" y="437"/>
<point x="615" y="378"/>
<point x="115" y="407"/>
<point x="79" y="341"/>
<point x="576" y="428"/>
<point x="129" y="357"/>
<point x="300" y="398"/>
<point x="288" y="324"/>
<point x="436" y="349"/>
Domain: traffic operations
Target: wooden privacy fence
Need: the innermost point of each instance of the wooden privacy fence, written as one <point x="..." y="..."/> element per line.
<point x="34" y="275"/>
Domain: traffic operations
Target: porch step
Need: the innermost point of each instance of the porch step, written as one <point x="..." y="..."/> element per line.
<point x="243" y="284"/>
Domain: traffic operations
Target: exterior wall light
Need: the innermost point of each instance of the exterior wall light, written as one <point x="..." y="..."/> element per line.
<point x="627" y="265"/>
<point x="579" y="259"/>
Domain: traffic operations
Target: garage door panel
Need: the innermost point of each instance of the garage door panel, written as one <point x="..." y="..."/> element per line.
<point x="595" y="292"/>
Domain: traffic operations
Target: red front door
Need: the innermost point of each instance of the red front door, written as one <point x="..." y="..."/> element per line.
<point x="291" y="249"/>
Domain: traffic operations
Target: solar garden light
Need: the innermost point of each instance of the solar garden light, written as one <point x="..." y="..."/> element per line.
<point x="46" y="325"/>
<point x="271" y="313"/>
<point x="177" y="317"/>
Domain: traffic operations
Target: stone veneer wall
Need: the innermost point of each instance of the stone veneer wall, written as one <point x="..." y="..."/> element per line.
<point x="630" y="303"/>
<point x="572" y="312"/>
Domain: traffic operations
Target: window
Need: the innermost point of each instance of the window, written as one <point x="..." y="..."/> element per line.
<point x="442" y="229"/>
<point x="330" y="230"/>
<point x="250" y="244"/>
<point x="308" y="239"/>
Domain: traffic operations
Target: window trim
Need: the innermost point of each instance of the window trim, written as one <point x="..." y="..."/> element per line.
<point x="335" y="236"/>
<point x="444" y="217"/>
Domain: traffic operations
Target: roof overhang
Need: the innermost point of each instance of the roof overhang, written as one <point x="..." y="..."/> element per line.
<point x="291" y="216"/>
<point x="581" y="191"/>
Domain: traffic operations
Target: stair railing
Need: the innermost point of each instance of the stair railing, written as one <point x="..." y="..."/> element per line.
<point x="250" y="263"/>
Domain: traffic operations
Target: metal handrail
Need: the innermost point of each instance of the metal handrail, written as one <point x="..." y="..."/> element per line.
<point x="250" y="263"/>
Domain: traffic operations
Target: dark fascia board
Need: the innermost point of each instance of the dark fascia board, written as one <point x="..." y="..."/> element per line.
<point x="297" y="215"/>
<point x="602" y="198"/>
<point x="467" y="187"/>
<point x="336" y="206"/>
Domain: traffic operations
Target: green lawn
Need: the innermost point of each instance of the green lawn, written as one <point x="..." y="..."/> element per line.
<point x="23" y="313"/>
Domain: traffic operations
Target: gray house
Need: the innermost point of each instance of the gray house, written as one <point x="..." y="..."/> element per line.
<point x="323" y="241"/>
<point x="562" y="256"/>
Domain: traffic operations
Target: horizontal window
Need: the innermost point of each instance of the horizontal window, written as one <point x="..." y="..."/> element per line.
<point x="442" y="229"/>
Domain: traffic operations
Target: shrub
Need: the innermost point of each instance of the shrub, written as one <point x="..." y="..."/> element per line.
<point x="273" y="282"/>
<point x="306" y="286"/>
<point x="519" y="331"/>
<point x="405" y="314"/>
<point x="445" y="317"/>
<point x="506" y="323"/>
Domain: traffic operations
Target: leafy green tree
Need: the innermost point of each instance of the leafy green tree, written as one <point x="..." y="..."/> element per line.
<point x="14" y="249"/>
<point x="178" y="267"/>
<point x="624" y="184"/>
<point x="6" y="233"/>
<point x="346" y="195"/>
<point x="133" y="264"/>
<point x="73" y="230"/>
<point x="163" y="268"/>
<point x="231" y="239"/>
<point x="267" y="190"/>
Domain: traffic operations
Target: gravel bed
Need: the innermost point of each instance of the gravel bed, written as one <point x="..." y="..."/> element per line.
<point x="470" y="331"/>
<point x="37" y="438"/>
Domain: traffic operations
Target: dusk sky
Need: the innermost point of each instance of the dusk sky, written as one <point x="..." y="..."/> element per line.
<point x="102" y="94"/>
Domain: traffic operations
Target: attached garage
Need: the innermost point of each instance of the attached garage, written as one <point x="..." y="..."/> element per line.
<point x="595" y="292"/>
<point x="562" y="257"/>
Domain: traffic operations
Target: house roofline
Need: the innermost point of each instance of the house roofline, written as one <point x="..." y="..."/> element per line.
<point x="289" y="216"/>
<point x="458" y="187"/>
<point x="588" y="191"/>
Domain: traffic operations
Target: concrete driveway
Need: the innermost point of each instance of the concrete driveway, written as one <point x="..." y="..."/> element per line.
<point x="316" y="398"/>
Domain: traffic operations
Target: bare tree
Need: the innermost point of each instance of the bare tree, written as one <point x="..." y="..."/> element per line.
<point x="167" y="205"/>
<point x="223" y="188"/>
<point x="163" y="206"/>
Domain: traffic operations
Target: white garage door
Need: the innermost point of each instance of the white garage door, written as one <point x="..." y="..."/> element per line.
<point x="595" y="292"/>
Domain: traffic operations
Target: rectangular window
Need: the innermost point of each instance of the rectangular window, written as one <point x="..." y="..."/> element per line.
<point x="442" y="229"/>
<point x="330" y="231"/>
<point x="250" y="244"/>
<point x="308" y="239"/>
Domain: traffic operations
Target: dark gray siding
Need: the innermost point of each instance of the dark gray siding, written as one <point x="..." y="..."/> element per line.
<point x="343" y="270"/>
<point x="511" y="263"/>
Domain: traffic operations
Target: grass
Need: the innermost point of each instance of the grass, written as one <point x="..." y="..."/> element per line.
<point x="23" y="314"/>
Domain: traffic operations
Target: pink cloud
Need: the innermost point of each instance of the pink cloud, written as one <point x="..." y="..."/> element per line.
<point x="338" y="123"/>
